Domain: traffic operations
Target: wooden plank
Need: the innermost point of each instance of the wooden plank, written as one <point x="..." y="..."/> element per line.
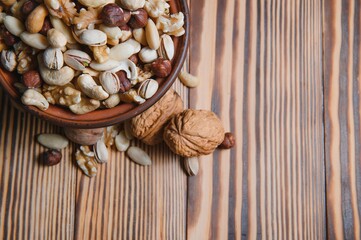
<point x="261" y="68"/>
<point x="342" y="69"/>
<point x="36" y="202"/>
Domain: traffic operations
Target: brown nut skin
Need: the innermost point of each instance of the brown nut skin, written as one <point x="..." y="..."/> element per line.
<point x="134" y="58"/>
<point x="124" y="82"/>
<point x="52" y="157"/>
<point x="193" y="133"/>
<point x="8" y="38"/>
<point x="161" y="67"/>
<point x="148" y="126"/>
<point x="46" y="27"/>
<point x="31" y="79"/>
<point x="228" y="142"/>
<point x="139" y="19"/>
<point x="113" y="15"/>
<point x="28" y="7"/>
<point x="84" y="136"/>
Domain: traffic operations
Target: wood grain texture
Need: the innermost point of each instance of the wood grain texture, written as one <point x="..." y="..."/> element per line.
<point x="342" y="69"/>
<point x="261" y="68"/>
<point x="37" y="202"/>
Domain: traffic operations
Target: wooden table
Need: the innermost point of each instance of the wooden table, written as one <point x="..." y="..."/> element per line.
<point x="284" y="76"/>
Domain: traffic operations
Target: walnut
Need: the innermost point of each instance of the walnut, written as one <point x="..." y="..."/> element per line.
<point x="100" y="53"/>
<point x="143" y="75"/>
<point x="193" y="133"/>
<point x="25" y="57"/>
<point x="156" y="8"/>
<point x="65" y="95"/>
<point x="64" y="9"/>
<point x="87" y="17"/>
<point x="85" y="160"/>
<point x="170" y="24"/>
<point x="149" y="125"/>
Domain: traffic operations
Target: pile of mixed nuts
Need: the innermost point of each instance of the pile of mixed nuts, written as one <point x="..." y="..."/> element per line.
<point x="88" y="54"/>
<point x="188" y="133"/>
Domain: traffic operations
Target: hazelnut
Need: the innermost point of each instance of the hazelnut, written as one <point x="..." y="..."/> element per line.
<point x="46" y="27"/>
<point x="31" y="79"/>
<point x="52" y="157"/>
<point x="139" y="19"/>
<point x="9" y="38"/>
<point x="161" y="67"/>
<point x="134" y="58"/>
<point x="124" y="82"/>
<point x="127" y="16"/>
<point x="28" y="7"/>
<point x="228" y="142"/>
<point x="125" y="28"/>
<point x="113" y="15"/>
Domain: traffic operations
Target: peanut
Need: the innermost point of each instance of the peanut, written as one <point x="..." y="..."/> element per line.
<point x="36" y="19"/>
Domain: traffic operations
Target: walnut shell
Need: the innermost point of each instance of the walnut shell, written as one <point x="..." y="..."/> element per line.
<point x="148" y="126"/>
<point x="193" y="133"/>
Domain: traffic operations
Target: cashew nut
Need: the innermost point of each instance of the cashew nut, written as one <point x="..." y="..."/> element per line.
<point x="55" y="77"/>
<point x="112" y="101"/>
<point x="188" y="80"/>
<point x="86" y="105"/>
<point x="89" y="87"/>
<point x="129" y="67"/>
<point x="35" y="20"/>
<point x="34" y="98"/>
<point x="124" y="50"/>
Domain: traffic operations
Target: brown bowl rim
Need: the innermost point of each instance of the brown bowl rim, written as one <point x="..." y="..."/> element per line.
<point x="74" y="123"/>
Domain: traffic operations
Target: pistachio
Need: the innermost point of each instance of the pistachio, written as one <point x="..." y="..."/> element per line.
<point x="148" y="55"/>
<point x="35" y="40"/>
<point x="124" y="50"/>
<point x="53" y="141"/>
<point x="122" y="142"/>
<point x="77" y="59"/>
<point x="191" y="166"/>
<point x="137" y="155"/>
<point x="89" y="87"/>
<point x="8" y="60"/>
<point x="166" y="49"/>
<point x="110" y="82"/>
<point x="14" y="25"/>
<point x="53" y="58"/>
<point x="100" y="151"/>
<point x="93" y="37"/>
<point x="148" y="88"/>
<point x="56" y="38"/>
